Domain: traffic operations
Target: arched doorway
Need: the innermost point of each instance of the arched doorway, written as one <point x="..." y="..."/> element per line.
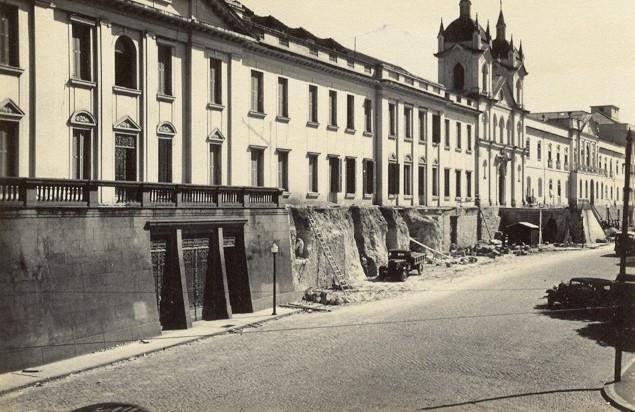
<point x="592" y="194"/>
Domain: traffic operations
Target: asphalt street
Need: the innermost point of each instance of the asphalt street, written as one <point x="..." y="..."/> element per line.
<point x="479" y="340"/>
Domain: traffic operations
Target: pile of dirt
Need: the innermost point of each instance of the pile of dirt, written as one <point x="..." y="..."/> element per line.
<point x="310" y="266"/>
<point x="370" y="235"/>
<point x="424" y="229"/>
<point x="398" y="236"/>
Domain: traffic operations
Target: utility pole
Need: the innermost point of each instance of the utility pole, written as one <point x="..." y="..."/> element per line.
<point x="620" y="281"/>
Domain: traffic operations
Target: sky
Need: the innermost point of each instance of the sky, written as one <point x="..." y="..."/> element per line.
<point x="578" y="53"/>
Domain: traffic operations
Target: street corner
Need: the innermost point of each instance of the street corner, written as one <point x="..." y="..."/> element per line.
<point x="621" y="394"/>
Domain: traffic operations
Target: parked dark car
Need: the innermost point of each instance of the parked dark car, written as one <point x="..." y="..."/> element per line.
<point x="630" y="245"/>
<point x="581" y="292"/>
<point x="401" y="263"/>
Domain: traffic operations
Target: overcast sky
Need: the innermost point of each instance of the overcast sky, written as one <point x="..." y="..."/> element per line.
<point x="578" y="52"/>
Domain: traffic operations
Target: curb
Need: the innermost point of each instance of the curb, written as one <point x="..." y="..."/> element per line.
<point x="611" y="396"/>
<point x="127" y="358"/>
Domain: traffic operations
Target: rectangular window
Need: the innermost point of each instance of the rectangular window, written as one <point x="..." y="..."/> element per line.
<point x="257" y="167"/>
<point x="82" y="154"/>
<point x="314" y="51"/>
<point x="283" y="170"/>
<point x="393" y="178"/>
<point x="350" y="112"/>
<point x="368" y="116"/>
<point x="539" y="151"/>
<point x="459" y="139"/>
<point x="257" y="93"/>
<point x="126" y="157"/>
<point x="313" y="104"/>
<point x="215" y="164"/>
<point x="216" y="81"/>
<point x="8" y="149"/>
<point x="421" y="180"/>
<point x="8" y="35"/>
<point x="283" y="97"/>
<point x="447" y="133"/>
<point x="422" y="126"/>
<point x="332" y="108"/>
<point x="392" y="119"/>
<point x="407" y="179"/>
<point x="436" y="128"/>
<point x="435" y="181"/>
<point x="82" y="62"/>
<point x="469" y="137"/>
<point x="335" y="174"/>
<point x="165" y="160"/>
<point x="369" y="177"/>
<point x="313" y="173"/>
<point x="333" y="57"/>
<point x="468" y="186"/>
<point x="408" y="122"/>
<point x="350" y="63"/>
<point x="446" y="182"/>
<point x="350" y="176"/>
<point x="165" y="70"/>
<point x="457" y="175"/>
<point x="283" y="41"/>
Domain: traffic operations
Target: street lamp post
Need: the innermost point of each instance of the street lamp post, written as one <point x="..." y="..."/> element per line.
<point x="274" y="252"/>
<point x="540" y="206"/>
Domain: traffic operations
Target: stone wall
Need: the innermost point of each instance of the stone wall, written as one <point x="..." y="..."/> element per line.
<point x="558" y="225"/>
<point x="75" y="281"/>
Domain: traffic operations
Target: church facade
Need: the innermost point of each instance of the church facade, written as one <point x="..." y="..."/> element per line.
<point x="207" y="92"/>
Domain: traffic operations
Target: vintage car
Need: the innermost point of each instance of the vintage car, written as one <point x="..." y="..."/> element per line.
<point x="581" y="292"/>
<point x="630" y="244"/>
<point x="401" y="263"/>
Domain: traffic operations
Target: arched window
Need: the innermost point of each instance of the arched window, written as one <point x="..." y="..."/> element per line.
<point x="494" y="128"/>
<point x="484" y="169"/>
<point x="559" y="188"/>
<point x="588" y="154"/>
<point x="485" y="78"/>
<point x="539" y="187"/>
<point x="459" y="77"/>
<point x="528" y="189"/>
<point x="510" y="132"/>
<point x="528" y="146"/>
<point x="581" y="187"/>
<point x="550" y="188"/>
<point x="611" y="193"/>
<point x="125" y="63"/>
<point x="586" y="189"/>
<point x="520" y="135"/>
<point x="501" y="130"/>
<point x="539" y="151"/>
<point x="518" y="172"/>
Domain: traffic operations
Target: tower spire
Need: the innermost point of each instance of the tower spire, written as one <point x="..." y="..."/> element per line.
<point x="465" y="6"/>
<point x="441" y="28"/>
<point x="500" y="25"/>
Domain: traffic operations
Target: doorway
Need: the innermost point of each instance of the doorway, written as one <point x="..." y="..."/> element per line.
<point x="502" y="171"/>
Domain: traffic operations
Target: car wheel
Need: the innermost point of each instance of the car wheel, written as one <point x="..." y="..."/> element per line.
<point x="404" y="276"/>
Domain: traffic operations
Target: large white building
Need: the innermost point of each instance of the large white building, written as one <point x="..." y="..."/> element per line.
<point x="206" y="92"/>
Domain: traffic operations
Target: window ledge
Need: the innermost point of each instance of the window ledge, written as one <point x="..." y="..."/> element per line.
<point x="458" y="199"/>
<point x="468" y="151"/>
<point x="446" y="148"/>
<point x="407" y="197"/>
<point x="446" y="198"/>
<point x="423" y="142"/>
<point x="312" y="124"/>
<point x="435" y="198"/>
<point x="391" y="197"/>
<point x="349" y="131"/>
<point x="257" y="115"/>
<point x="435" y="144"/>
<point x="215" y="106"/>
<point x="282" y="119"/>
<point x="368" y="134"/>
<point x="312" y="195"/>
<point x="368" y="196"/>
<point x="11" y="70"/>
<point x="392" y="136"/>
<point x="469" y="199"/>
<point x="286" y="194"/>
<point x="458" y="150"/>
<point x="165" y="98"/>
<point x="126" y="91"/>
<point x="86" y="84"/>
<point x="349" y="196"/>
<point x="332" y="128"/>
<point x="408" y="139"/>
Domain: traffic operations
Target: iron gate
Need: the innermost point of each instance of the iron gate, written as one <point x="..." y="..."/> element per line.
<point x="195" y="251"/>
<point x="158" y="251"/>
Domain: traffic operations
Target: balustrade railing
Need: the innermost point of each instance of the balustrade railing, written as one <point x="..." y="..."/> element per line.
<point x="28" y="192"/>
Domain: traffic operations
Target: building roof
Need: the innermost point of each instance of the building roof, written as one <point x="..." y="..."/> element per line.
<point x="462" y="29"/>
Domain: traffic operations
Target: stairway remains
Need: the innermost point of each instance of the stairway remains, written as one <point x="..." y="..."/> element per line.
<point x="339" y="278"/>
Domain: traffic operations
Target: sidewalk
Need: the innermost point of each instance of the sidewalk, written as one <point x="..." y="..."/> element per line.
<point x="13" y="381"/>
<point x="622" y="394"/>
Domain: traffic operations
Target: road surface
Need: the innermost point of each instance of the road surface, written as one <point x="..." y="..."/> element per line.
<point x="478" y="341"/>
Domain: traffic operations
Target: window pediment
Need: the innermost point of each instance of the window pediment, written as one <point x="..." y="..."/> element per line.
<point x="9" y="110"/>
<point x="82" y="118"/>
<point x="127" y="124"/>
<point x="166" y="129"/>
<point x="216" y="136"/>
